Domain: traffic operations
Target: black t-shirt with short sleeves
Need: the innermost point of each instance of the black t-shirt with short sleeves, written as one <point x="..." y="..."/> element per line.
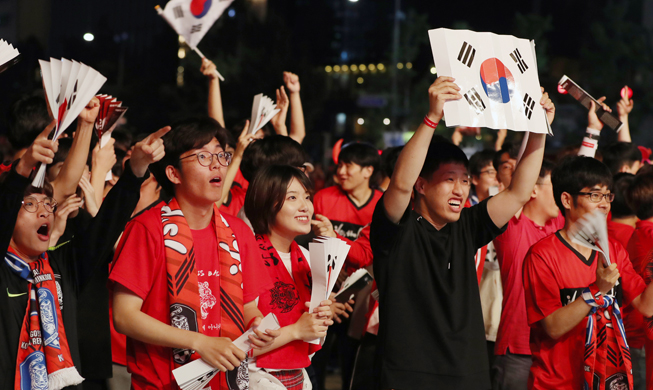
<point x="431" y="333"/>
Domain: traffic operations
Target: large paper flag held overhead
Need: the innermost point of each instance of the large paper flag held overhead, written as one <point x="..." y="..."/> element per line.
<point x="69" y="86"/>
<point x="193" y="18"/>
<point x="111" y="110"/>
<point x="497" y="75"/>
<point x="263" y="109"/>
<point x="9" y="55"/>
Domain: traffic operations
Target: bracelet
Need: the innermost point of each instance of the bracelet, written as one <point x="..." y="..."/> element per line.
<point x="429" y="122"/>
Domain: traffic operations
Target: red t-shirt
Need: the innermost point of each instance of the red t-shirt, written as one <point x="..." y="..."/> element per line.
<point x="511" y="247"/>
<point x="348" y="220"/>
<point x="555" y="275"/>
<point x="639" y="247"/>
<point x="235" y="202"/>
<point x="140" y="266"/>
<point x="620" y="232"/>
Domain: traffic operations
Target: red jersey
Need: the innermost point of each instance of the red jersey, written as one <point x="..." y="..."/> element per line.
<point x="511" y="247"/>
<point x="555" y="274"/>
<point x="140" y="266"/>
<point x="481" y="254"/>
<point x="639" y="247"/>
<point x="348" y="220"/>
<point x="620" y="232"/>
<point x="234" y="202"/>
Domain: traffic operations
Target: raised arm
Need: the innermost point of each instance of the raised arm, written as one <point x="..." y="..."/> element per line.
<point x="102" y="160"/>
<point x="244" y="139"/>
<point x="297" y="124"/>
<point x="508" y="202"/>
<point x="279" y="120"/>
<point x="411" y="160"/>
<point x="624" y="107"/>
<point x="66" y="182"/>
<point x="215" y="98"/>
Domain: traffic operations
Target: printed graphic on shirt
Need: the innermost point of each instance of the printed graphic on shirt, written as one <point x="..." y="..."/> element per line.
<point x="568" y="295"/>
<point x="346" y="229"/>
<point x="284" y="296"/>
<point x="207" y="299"/>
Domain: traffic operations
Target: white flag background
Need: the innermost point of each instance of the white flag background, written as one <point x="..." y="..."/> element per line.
<point x="497" y="75"/>
<point x="192" y="19"/>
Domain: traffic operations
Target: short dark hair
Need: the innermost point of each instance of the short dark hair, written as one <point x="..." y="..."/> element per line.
<point x="363" y="155"/>
<point x="619" y="154"/>
<point x="441" y="152"/>
<point x="640" y="195"/>
<point x="507" y="147"/>
<point x="575" y="173"/>
<point x="46" y="190"/>
<point x="185" y="135"/>
<point x="620" y="183"/>
<point x="28" y="117"/>
<point x="480" y="160"/>
<point x="267" y="193"/>
<point x="547" y="167"/>
<point x="272" y="150"/>
<point x="389" y="160"/>
<point x="124" y="138"/>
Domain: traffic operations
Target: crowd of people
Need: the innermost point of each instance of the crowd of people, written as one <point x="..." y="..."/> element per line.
<point x="201" y="232"/>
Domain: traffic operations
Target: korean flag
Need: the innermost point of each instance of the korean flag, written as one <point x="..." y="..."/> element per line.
<point x="192" y="19"/>
<point x="497" y="75"/>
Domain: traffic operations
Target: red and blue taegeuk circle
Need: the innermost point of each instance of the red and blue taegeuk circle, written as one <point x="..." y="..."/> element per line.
<point x="497" y="80"/>
<point x="199" y="8"/>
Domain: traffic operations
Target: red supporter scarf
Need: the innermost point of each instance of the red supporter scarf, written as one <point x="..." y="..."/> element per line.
<point x="44" y="360"/>
<point x="184" y="294"/>
<point x="607" y="362"/>
<point x="286" y="300"/>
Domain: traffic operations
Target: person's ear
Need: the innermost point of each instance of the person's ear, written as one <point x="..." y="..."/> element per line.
<point x="535" y="192"/>
<point x="567" y="200"/>
<point x="367" y="172"/>
<point x="475" y="180"/>
<point x="420" y="184"/>
<point x="172" y="174"/>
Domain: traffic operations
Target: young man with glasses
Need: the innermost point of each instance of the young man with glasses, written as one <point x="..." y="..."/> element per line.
<point x="40" y="287"/>
<point x="185" y="275"/>
<point x="573" y="299"/>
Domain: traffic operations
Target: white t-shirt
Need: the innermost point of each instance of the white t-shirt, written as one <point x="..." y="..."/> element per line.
<point x="285" y="258"/>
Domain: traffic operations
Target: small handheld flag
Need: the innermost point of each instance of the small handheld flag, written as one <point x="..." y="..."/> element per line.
<point x="9" y="56"/>
<point x="111" y="110"/>
<point x="69" y="86"/>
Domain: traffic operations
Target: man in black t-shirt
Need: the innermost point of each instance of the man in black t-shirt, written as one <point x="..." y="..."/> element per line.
<point x="431" y="332"/>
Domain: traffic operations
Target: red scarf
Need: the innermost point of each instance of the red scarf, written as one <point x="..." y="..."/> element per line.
<point x="184" y="294"/>
<point x="44" y="360"/>
<point x="607" y="355"/>
<point x="286" y="300"/>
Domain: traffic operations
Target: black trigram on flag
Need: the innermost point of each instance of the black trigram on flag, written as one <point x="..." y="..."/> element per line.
<point x="529" y="105"/>
<point x="474" y="100"/>
<point x="196" y="28"/>
<point x="179" y="13"/>
<point x="466" y="55"/>
<point x="516" y="56"/>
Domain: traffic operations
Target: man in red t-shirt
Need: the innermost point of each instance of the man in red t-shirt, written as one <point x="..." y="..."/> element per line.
<point x="538" y="219"/>
<point x="186" y="289"/>
<point x="557" y="272"/>
<point x="640" y="197"/>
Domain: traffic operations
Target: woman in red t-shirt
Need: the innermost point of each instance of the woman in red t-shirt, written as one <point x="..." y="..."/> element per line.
<point x="278" y="204"/>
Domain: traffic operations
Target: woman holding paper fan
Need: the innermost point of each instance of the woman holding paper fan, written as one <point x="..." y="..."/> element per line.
<point x="279" y="207"/>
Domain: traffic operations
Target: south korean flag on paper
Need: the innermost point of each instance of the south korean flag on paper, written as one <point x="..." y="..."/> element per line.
<point x="193" y="18"/>
<point x="497" y="76"/>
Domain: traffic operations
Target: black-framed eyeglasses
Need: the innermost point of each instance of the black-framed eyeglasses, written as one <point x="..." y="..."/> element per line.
<point x="596" y="197"/>
<point x="31" y="204"/>
<point x="206" y="158"/>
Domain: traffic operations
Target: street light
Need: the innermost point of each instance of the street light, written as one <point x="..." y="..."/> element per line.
<point x="88" y="37"/>
<point x="360" y="121"/>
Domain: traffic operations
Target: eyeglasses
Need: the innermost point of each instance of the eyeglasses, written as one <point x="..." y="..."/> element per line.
<point x="31" y="205"/>
<point x="206" y="158"/>
<point x="596" y="197"/>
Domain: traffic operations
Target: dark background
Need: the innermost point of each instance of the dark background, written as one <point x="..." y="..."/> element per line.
<point x="602" y="45"/>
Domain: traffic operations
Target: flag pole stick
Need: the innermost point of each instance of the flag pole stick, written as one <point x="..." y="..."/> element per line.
<point x="195" y="49"/>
